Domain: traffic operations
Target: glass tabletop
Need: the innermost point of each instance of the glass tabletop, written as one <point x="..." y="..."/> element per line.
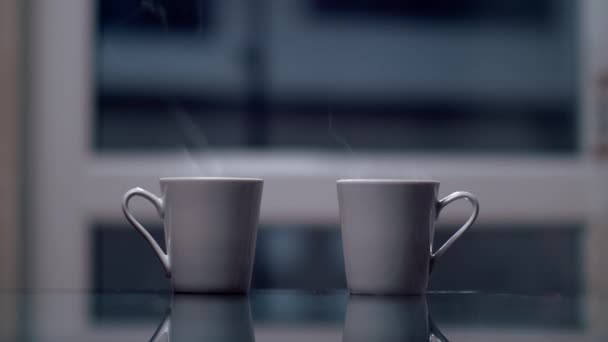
<point x="300" y="316"/>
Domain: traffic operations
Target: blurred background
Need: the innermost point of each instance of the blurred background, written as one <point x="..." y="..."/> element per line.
<point x="506" y="99"/>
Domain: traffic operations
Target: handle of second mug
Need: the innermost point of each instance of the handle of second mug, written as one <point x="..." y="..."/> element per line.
<point x="158" y="204"/>
<point x="442" y="204"/>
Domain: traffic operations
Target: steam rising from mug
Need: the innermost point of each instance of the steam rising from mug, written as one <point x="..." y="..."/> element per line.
<point x="353" y="172"/>
<point x="154" y="13"/>
<point x="381" y="167"/>
<point x="195" y="137"/>
<point x="334" y="134"/>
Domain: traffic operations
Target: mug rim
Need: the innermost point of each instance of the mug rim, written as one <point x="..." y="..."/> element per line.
<point x="210" y="179"/>
<point x="385" y="181"/>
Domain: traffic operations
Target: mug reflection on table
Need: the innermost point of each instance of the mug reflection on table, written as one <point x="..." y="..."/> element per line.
<point x="388" y="319"/>
<point x="207" y="318"/>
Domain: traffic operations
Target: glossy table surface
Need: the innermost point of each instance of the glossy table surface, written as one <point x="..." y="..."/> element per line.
<point x="282" y="315"/>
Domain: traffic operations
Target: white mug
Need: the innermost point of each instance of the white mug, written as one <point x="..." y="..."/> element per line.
<point x="387" y="230"/>
<point x="210" y="227"/>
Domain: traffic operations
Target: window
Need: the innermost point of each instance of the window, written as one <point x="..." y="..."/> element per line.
<point x="301" y="93"/>
<point x="401" y="76"/>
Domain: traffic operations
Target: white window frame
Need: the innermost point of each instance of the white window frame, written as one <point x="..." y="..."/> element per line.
<point x="71" y="187"/>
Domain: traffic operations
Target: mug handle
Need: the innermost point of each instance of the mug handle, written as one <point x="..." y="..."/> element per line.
<point x="442" y="204"/>
<point x="158" y="204"/>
